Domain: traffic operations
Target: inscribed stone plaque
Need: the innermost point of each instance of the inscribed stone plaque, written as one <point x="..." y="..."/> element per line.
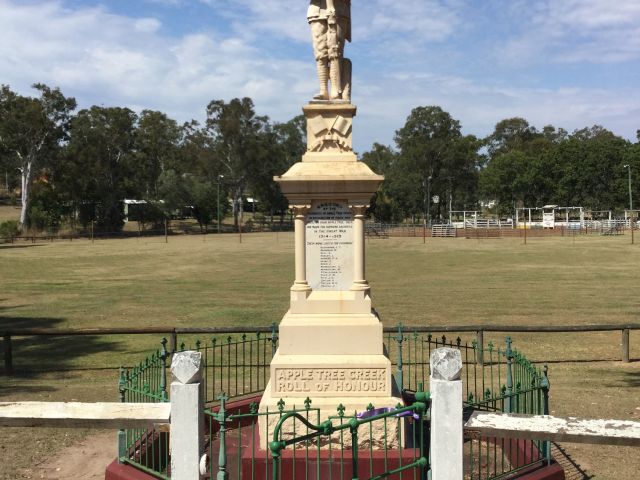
<point x="329" y="234"/>
<point x="337" y="381"/>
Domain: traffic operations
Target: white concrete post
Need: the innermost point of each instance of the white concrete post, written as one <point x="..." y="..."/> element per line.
<point x="446" y="414"/>
<point x="187" y="421"/>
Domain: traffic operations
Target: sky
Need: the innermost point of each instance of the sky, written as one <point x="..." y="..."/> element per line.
<point x="568" y="63"/>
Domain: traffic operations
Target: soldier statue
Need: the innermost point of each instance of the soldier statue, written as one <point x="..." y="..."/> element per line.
<point x="330" y="22"/>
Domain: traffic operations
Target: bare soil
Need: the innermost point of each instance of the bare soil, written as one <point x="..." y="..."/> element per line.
<point x="85" y="460"/>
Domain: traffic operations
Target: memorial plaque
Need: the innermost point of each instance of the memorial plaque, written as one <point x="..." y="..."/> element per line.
<point x="331" y="380"/>
<point x="329" y="234"/>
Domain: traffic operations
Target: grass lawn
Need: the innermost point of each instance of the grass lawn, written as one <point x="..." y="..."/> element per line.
<point x="215" y="280"/>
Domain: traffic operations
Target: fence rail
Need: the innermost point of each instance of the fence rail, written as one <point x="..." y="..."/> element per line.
<point x="180" y="229"/>
<point x="174" y="332"/>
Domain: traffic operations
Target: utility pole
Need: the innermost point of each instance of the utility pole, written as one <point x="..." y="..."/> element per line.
<point x="428" y="200"/>
<point x="628" y="167"/>
<point x="631" y="215"/>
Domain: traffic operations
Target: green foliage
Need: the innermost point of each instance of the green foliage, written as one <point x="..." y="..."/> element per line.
<point x="93" y="160"/>
<point x="203" y="201"/>
<point x="384" y="206"/>
<point x="46" y="209"/>
<point x="528" y="168"/>
<point x="9" y="229"/>
<point x="434" y="159"/>
<point x="32" y="133"/>
<point x="157" y="140"/>
<point x="240" y="142"/>
<point x="101" y="162"/>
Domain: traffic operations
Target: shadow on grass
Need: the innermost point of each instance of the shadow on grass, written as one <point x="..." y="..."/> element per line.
<point x="572" y="469"/>
<point x="11" y="246"/>
<point x="632" y="379"/>
<point x="34" y="356"/>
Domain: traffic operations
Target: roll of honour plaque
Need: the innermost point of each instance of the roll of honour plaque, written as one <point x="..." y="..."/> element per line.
<point x="329" y="234"/>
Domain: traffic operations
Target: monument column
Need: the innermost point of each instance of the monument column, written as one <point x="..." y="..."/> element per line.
<point x="300" y="215"/>
<point x="359" y="281"/>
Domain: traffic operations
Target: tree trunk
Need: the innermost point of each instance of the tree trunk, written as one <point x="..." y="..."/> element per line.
<point x="25" y="173"/>
<point x="237" y="205"/>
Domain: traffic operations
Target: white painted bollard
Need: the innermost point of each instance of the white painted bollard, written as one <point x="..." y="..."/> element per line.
<point x="187" y="421"/>
<point x="446" y="414"/>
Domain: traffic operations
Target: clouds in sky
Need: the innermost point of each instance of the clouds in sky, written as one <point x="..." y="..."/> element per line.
<point x="571" y="63"/>
<point x="594" y="31"/>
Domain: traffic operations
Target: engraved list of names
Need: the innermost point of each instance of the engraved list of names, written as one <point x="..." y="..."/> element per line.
<point x="329" y="235"/>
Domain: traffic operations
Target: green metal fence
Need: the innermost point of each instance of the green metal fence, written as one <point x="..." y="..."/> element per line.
<point x="374" y="444"/>
<point x="511" y="385"/>
<point x="146" y="449"/>
<point x="236" y="364"/>
<point x="495" y="378"/>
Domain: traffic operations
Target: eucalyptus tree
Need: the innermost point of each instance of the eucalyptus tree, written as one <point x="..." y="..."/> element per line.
<point x="435" y="159"/>
<point x="101" y="167"/>
<point x="283" y="144"/>
<point x="386" y="204"/>
<point x="32" y="131"/>
<point x="237" y="137"/>
<point x="158" y="140"/>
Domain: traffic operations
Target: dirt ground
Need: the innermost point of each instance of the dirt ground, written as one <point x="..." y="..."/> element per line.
<point x="86" y="460"/>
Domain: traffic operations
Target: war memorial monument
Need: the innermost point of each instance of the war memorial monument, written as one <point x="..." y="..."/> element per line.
<point x="331" y="345"/>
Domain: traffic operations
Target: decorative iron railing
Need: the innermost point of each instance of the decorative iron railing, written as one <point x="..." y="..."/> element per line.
<point x="494" y="378"/>
<point x="300" y="446"/>
<point x="147" y="449"/>
<point x="236" y="364"/>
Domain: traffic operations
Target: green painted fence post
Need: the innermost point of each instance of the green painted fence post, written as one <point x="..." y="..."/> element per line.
<point x="546" y="448"/>
<point x="353" y="428"/>
<point x="221" y="417"/>
<point x="424" y="398"/>
<point x="274" y="339"/>
<point x="163" y="379"/>
<point x="509" y="355"/>
<point x="399" y="374"/>
<point x="122" y="435"/>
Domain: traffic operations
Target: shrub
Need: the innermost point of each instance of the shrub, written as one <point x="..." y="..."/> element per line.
<point x="9" y="229"/>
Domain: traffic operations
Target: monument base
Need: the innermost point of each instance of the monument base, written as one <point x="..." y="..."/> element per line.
<point x="378" y="435"/>
<point x="325" y="334"/>
<point x="344" y="302"/>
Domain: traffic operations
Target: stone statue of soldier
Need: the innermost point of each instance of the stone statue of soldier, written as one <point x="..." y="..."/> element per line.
<point x="330" y="22"/>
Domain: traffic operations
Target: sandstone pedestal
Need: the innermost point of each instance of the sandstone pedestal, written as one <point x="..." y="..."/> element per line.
<point x="331" y="342"/>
